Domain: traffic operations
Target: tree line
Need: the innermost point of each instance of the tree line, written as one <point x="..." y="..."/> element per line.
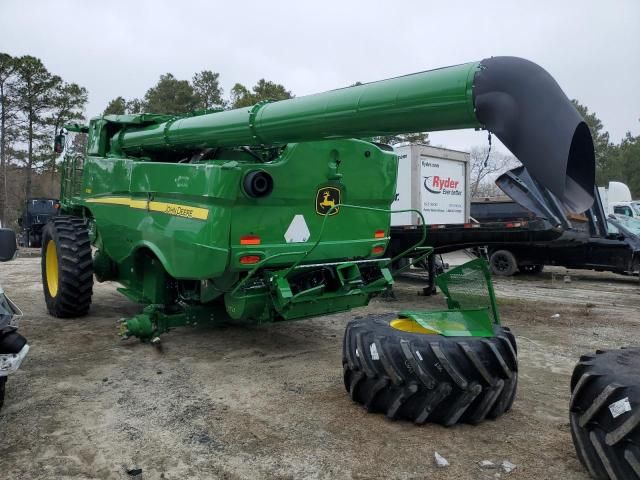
<point x="174" y="97"/>
<point x="34" y="104"/>
<point x="614" y="161"/>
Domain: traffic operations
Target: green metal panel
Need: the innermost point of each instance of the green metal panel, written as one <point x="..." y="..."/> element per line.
<point x="469" y="286"/>
<point x="118" y="192"/>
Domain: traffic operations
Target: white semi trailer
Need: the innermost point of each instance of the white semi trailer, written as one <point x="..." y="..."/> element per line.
<point x="434" y="181"/>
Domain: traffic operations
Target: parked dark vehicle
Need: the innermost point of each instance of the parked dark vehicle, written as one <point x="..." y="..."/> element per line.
<point x="35" y="216"/>
<point x="584" y="241"/>
<point x="13" y="346"/>
<point x="618" y="251"/>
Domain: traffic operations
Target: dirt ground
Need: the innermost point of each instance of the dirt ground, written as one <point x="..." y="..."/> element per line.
<point x="268" y="401"/>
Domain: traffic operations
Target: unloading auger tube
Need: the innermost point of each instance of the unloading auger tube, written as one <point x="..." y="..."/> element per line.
<point x="512" y="97"/>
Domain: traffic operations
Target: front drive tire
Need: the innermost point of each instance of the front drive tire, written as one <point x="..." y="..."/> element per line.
<point x="605" y="413"/>
<point x="424" y="377"/>
<point x="67" y="267"/>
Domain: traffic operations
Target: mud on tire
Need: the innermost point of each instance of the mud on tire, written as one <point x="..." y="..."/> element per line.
<point x="605" y="413"/>
<point x="67" y="267"/>
<point x="428" y="378"/>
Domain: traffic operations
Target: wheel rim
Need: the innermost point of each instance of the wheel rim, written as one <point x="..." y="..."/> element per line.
<point x="501" y="263"/>
<point x="51" y="263"/>
<point x="410" y="326"/>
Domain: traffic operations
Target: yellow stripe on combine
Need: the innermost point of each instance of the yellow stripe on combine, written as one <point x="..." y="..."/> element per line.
<point x="184" y="211"/>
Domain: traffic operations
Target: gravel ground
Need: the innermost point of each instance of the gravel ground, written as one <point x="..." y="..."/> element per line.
<point x="268" y="401"/>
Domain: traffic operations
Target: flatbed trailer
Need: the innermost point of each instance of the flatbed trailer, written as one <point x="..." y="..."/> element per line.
<point x="445" y="238"/>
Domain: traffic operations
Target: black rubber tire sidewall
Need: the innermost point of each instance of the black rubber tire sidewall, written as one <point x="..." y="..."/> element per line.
<point x="11" y="342"/>
<point x="405" y="370"/>
<point x="75" y="267"/>
<point x="599" y="380"/>
<point x="503" y="262"/>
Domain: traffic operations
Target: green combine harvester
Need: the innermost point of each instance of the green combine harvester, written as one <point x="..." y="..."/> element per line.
<point x="280" y="211"/>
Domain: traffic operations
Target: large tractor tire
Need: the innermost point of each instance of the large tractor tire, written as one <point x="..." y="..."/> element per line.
<point x="503" y="262"/>
<point x="605" y="413"/>
<point x="67" y="267"/>
<point x="390" y="366"/>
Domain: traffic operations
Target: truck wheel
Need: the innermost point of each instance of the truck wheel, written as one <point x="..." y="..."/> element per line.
<point x="397" y="367"/>
<point x="503" y="262"/>
<point x="605" y="413"/>
<point x="67" y="267"/>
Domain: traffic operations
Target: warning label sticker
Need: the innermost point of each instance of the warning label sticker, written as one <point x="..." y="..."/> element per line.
<point x="620" y="407"/>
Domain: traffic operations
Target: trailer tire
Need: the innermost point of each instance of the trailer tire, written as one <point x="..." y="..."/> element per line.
<point x="67" y="267"/>
<point x="503" y="262"/>
<point x="424" y="377"/>
<point x="605" y="413"/>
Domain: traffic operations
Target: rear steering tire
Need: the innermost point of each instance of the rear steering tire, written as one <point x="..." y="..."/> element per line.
<point x="424" y="377"/>
<point x="605" y="413"/>
<point x="67" y="267"/>
<point x="503" y="262"/>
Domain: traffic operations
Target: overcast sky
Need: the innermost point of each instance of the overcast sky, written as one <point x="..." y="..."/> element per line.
<point x="112" y="48"/>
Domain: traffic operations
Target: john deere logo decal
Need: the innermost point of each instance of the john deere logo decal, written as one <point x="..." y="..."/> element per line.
<point x="326" y="198"/>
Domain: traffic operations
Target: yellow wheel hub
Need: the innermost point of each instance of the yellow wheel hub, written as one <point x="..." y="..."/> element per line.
<point x="411" y="326"/>
<point x="51" y="265"/>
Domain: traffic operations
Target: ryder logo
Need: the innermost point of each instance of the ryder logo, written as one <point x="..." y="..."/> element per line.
<point x="438" y="184"/>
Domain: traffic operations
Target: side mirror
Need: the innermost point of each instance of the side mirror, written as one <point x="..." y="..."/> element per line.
<point x="8" y="245"/>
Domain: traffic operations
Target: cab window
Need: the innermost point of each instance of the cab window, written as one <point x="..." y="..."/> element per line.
<point x="623" y="210"/>
<point x="612" y="229"/>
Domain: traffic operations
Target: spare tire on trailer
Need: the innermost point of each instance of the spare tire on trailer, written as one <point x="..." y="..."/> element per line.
<point x="605" y="413"/>
<point x="392" y="366"/>
<point x="503" y="262"/>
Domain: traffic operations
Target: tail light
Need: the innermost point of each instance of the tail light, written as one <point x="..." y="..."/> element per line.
<point x="250" y="240"/>
<point x="249" y="259"/>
